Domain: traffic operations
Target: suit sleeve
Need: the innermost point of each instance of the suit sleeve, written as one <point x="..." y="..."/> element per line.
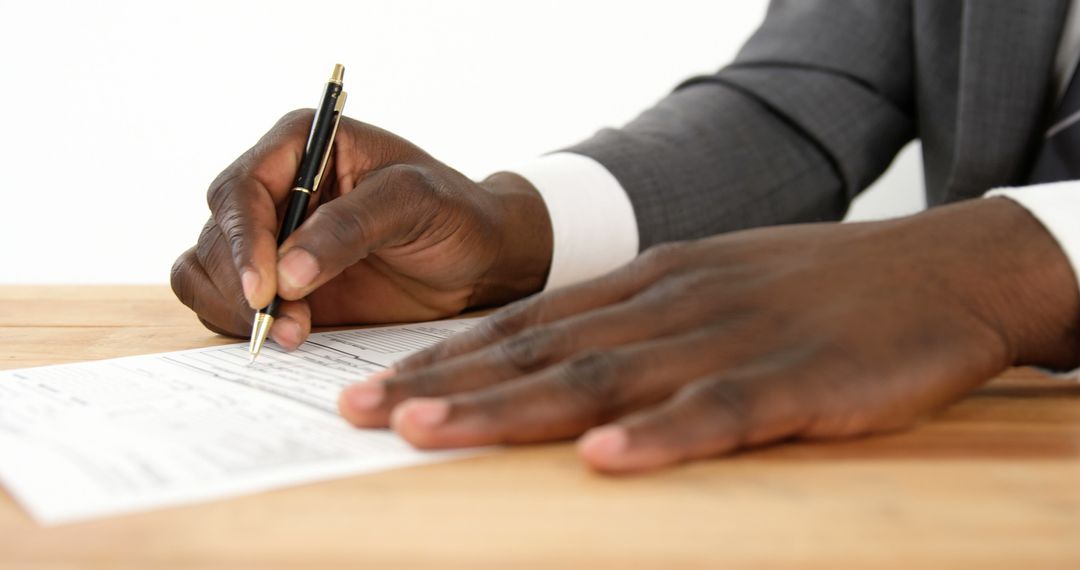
<point x="813" y="109"/>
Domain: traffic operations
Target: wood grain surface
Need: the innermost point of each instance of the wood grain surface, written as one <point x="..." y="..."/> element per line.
<point x="991" y="482"/>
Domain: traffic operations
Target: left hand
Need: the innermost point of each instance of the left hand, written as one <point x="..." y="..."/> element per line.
<point x="700" y="348"/>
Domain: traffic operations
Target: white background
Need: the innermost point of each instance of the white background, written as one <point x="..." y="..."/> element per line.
<point x="117" y="115"/>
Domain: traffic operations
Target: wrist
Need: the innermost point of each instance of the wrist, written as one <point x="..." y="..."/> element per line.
<point x="1016" y="277"/>
<point x="525" y="242"/>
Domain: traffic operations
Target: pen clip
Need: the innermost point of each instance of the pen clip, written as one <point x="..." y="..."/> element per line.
<point x="339" y="106"/>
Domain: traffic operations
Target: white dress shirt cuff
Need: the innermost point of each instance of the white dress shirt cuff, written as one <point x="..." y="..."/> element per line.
<point x="1057" y="207"/>
<point x="592" y="220"/>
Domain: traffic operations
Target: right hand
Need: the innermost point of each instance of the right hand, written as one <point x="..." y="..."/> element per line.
<point x="393" y="235"/>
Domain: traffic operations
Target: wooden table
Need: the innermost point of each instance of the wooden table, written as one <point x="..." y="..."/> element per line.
<point x="992" y="482"/>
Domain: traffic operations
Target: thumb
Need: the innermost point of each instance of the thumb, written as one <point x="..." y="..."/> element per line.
<point x="387" y="207"/>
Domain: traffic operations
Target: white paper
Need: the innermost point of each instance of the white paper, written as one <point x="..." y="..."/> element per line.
<point x="92" y="439"/>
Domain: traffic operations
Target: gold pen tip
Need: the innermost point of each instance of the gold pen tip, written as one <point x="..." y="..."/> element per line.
<point x="260" y="328"/>
<point x="339" y="73"/>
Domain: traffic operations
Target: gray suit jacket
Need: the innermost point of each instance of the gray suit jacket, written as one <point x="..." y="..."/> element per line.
<point x="820" y="100"/>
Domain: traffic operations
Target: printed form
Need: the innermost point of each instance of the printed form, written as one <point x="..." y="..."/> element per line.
<point x="92" y="439"/>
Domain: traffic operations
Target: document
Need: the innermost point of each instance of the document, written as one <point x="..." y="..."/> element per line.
<point x="93" y="439"/>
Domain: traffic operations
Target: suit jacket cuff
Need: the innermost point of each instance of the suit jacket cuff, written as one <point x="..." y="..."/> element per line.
<point x="592" y="220"/>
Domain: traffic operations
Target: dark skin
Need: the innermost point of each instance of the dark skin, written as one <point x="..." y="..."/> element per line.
<point x="694" y="349"/>
<point x="393" y="235"/>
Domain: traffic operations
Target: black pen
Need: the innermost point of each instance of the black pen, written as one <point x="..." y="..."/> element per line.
<point x="316" y="153"/>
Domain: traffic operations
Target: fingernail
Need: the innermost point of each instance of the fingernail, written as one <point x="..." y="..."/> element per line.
<point x="604" y="442"/>
<point x="365" y="396"/>
<point x="381" y="375"/>
<point x="297" y="268"/>
<point x="424" y="412"/>
<point x="250" y="281"/>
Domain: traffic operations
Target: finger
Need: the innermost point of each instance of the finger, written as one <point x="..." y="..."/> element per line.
<point x="293" y="322"/>
<point x="212" y="252"/>
<point x="708" y="418"/>
<point x="369" y="404"/>
<point x="560" y="401"/>
<point x="243" y="200"/>
<point x="292" y="325"/>
<point x="390" y="206"/>
<point x="194" y="288"/>
<point x="608" y="289"/>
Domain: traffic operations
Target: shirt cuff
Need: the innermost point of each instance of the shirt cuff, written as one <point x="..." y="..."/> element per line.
<point x="1057" y="207"/>
<point x="592" y="220"/>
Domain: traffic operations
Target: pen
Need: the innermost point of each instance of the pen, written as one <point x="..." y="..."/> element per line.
<point x="316" y="153"/>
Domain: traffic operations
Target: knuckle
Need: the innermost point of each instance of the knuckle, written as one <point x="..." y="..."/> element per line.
<point x="208" y="233"/>
<point x="408" y="175"/>
<point x="432" y="356"/>
<point x="443" y="351"/>
<point x="665" y="257"/>
<point x="727" y="402"/>
<point x="219" y="189"/>
<point x="237" y="233"/>
<point x="411" y="188"/>
<point x="844" y="396"/>
<point x="180" y="277"/>
<point x="419" y="360"/>
<point x="692" y="291"/>
<point x="342" y="224"/>
<point x="508" y="321"/>
<point x="215" y="260"/>
<point x="421" y="383"/>
<point x="208" y="240"/>
<point x="532" y="348"/>
<point x="220" y="194"/>
<point x="301" y="115"/>
<point x="593" y="376"/>
<point x="846" y="422"/>
<point x="184" y="280"/>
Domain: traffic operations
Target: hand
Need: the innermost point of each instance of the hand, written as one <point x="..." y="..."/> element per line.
<point x="394" y="235"/>
<point x="701" y="348"/>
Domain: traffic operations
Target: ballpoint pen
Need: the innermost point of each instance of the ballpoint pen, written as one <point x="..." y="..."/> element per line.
<point x="316" y="153"/>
